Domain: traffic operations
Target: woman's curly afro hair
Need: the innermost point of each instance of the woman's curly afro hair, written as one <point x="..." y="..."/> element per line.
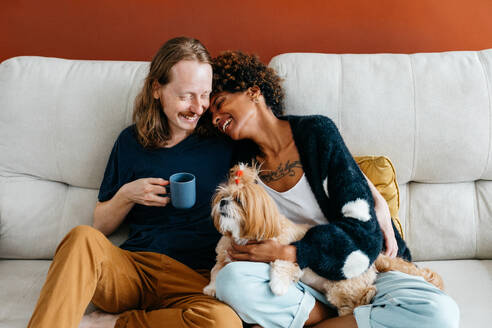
<point x="235" y="71"/>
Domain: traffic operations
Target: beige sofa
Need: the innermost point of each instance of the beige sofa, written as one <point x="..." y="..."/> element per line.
<point x="430" y="113"/>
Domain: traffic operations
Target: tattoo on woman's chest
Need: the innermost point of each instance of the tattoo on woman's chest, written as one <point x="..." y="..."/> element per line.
<point x="282" y="170"/>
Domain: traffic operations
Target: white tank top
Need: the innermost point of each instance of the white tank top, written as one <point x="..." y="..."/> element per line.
<point x="298" y="203"/>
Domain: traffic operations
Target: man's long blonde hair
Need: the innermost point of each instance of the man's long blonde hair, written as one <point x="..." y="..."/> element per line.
<point x="148" y="115"/>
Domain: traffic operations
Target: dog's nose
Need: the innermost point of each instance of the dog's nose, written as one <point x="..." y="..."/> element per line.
<point x="223" y="202"/>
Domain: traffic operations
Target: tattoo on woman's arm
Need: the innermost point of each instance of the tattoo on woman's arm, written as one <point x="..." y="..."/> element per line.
<point x="282" y="170"/>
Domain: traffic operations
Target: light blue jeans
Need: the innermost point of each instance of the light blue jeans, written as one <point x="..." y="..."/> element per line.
<point x="401" y="300"/>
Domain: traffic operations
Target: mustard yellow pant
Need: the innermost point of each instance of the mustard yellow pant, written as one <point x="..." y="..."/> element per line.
<point x="146" y="289"/>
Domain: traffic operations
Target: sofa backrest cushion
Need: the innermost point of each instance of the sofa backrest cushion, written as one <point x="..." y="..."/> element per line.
<point x="431" y="115"/>
<point x="58" y="122"/>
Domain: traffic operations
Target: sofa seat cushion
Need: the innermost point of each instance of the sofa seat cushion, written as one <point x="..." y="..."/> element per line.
<point x="469" y="282"/>
<point x="21" y="284"/>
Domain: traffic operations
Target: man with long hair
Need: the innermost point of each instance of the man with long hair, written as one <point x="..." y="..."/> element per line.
<point x="156" y="277"/>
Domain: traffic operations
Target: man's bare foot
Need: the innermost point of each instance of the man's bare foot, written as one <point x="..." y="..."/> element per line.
<point x="98" y="319"/>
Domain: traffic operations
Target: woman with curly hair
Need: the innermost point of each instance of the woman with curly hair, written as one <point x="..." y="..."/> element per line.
<point x="309" y="172"/>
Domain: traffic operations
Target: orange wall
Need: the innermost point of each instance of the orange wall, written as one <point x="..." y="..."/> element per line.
<point x="134" y="29"/>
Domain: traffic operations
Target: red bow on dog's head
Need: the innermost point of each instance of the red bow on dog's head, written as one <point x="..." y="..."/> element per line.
<point x="239" y="173"/>
<point x="242" y="174"/>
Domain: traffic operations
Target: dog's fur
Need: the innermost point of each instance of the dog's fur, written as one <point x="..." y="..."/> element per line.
<point x="243" y="211"/>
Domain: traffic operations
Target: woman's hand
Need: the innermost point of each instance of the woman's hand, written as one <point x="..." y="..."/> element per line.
<point x="263" y="251"/>
<point x="147" y="191"/>
<point x="384" y="219"/>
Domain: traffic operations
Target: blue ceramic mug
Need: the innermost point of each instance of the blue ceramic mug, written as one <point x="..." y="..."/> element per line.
<point x="183" y="190"/>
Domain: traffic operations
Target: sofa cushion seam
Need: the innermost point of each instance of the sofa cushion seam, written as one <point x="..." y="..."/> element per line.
<point x="414" y="160"/>
<point x="487" y="85"/>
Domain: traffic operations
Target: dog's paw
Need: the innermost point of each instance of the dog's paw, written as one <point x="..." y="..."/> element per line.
<point x="282" y="274"/>
<point x="279" y="286"/>
<point x="209" y="290"/>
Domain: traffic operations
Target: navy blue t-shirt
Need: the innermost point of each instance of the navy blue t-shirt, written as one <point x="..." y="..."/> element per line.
<point x="187" y="235"/>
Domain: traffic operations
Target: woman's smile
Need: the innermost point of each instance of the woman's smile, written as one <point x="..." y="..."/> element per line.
<point x="224" y="125"/>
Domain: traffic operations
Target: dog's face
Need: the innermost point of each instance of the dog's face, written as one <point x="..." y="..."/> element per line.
<point x="241" y="208"/>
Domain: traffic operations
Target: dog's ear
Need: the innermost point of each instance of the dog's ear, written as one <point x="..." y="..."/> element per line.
<point x="220" y="193"/>
<point x="262" y="220"/>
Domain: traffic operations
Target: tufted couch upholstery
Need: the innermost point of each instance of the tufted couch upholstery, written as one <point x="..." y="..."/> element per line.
<point x="430" y="113"/>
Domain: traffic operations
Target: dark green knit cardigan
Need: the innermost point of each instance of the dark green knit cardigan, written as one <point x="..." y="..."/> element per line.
<point x="351" y="241"/>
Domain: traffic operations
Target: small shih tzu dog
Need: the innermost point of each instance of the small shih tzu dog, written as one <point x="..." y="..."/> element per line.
<point x="242" y="211"/>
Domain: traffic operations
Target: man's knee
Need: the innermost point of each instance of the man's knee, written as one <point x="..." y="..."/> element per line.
<point x="80" y="235"/>
<point x="82" y="232"/>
